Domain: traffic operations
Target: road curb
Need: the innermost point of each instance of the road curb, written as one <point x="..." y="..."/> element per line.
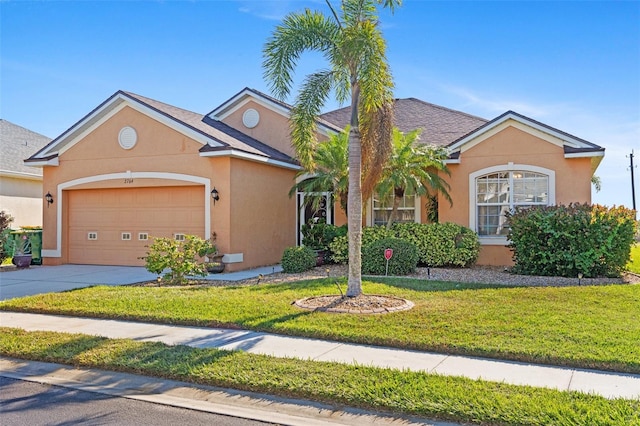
<point x="247" y="405"/>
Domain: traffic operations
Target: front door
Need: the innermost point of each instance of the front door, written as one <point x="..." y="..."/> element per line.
<point x="309" y="211"/>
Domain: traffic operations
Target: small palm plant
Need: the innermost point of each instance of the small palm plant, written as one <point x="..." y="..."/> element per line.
<point x="413" y="168"/>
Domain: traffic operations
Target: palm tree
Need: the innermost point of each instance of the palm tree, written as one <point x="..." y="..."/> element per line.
<point x="413" y="168"/>
<point x="331" y="173"/>
<point x="358" y="71"/>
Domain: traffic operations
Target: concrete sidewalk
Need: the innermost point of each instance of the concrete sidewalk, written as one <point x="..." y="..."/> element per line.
<point x="607" y="384"/>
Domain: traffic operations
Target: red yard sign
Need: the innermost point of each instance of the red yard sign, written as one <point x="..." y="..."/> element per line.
<point x="388" y="253"/>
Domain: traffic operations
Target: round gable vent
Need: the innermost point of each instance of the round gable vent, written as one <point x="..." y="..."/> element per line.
<point x="127" y="137"/>
<point x="251" y="118"/>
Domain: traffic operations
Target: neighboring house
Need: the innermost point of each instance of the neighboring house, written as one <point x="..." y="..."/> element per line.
<point x="135" y="168"/>
<point x="20" y="186"/>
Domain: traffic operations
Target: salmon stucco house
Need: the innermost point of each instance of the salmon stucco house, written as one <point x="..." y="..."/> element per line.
<point x="135" y="168"/>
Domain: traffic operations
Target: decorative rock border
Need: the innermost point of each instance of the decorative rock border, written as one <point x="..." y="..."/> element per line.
<point x="363" y="304"/>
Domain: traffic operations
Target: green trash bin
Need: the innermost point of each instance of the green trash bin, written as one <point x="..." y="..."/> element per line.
<point x="31" y="245"/>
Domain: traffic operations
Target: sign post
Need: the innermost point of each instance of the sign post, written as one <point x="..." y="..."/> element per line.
<point x="387" y="255"/>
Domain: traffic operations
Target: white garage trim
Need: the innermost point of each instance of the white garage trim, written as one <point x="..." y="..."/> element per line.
<point x="57" y="252"/>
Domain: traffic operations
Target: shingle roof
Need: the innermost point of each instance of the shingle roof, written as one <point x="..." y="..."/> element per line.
<point x="214" y="131"/>
<point x="441" y="126"/>
<point x="217" y="130"/>
<point x="16" y="145"/>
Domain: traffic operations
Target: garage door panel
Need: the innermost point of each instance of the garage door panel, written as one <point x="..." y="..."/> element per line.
<point x="157" y="212"/>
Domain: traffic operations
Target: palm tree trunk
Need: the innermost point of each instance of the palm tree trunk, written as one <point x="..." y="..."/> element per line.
<point x="354" y="204"/>
<point x="394" y="210"/>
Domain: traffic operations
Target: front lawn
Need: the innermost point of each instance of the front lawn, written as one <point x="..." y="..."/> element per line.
<point x="590" y="327"/>
<point x="400" y="392"/>
<point x="634" y="263"/>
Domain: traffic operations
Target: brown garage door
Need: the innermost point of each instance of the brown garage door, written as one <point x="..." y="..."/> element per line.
<point x="109" y="226"/>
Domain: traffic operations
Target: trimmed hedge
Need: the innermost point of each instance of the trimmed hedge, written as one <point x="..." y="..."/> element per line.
<point x="441" y="244"/>
<point x="567" y="240"/>
<point x="438" y="244"/>
<point x="339" y="247"/>
<point x="403" y="261"/>
<point x="298" y="259"/>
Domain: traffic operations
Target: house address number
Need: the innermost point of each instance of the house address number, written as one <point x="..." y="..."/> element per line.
<point x="128" y="180"/>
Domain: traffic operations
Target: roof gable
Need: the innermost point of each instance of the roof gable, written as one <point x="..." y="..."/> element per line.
<point x="247" y="95"/>
<point x="209" y="133"/>
<point x="569" y="142"/>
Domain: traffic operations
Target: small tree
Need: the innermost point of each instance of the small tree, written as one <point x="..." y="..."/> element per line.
<point x="178" y="258"/>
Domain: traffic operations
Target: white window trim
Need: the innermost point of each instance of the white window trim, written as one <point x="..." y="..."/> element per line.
<point x="417" y="213"/>
<point x="510" y="167"/>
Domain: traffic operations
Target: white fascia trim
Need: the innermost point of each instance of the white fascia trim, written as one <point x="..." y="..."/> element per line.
<point x="20" y="175"/>
<point x="241" y="99"/>
<point x="57" y="252"/>
<point x="584" y="154"/>
<point x="510" y="167"/>
<point x="561" y="136"/>
<point x="452" y="161"/>
<point x="52" y="162"/>
<point x="250" y="157"/>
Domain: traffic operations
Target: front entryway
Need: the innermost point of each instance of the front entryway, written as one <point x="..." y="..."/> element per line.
<point x="309" y="211"/>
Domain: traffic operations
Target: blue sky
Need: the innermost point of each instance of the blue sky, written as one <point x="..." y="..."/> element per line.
<point x="574" y="65"/>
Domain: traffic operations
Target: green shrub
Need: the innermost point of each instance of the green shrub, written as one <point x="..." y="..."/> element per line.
<point x="438" y="244"/>
<point x="339" y="247"/>
<point x="298" y="259"/>
<point x="180" y="258"/>
<point x="5" y="243"/>
<point x="441" y="244"/>
<point x="568" y="240"/>
<point x="318" y="236"/>
<point x="403" y="261"/>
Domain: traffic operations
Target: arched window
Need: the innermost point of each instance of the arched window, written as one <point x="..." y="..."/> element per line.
<point x="496" y="192"/>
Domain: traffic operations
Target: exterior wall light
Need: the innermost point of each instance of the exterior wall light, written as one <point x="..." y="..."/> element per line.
<point x="215" y="195"/>
<point x="49" y="198"/>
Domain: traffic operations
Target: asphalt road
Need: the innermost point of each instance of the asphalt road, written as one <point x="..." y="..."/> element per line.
<point x="34" y="404"/>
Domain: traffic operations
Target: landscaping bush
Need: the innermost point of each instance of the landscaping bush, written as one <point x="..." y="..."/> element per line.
<point x="5" y="244"/>
<point x="441" y="244"/>
<point x="438" y="244"/>
<point x="339" y="247"/>
<point x="403" y="261"/>
<point x="298" y="259"/>
<point x="567" y="240"/>
<point x="180" y="258"/>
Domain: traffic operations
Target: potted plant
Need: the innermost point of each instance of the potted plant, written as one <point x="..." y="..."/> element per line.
<point x="21" y="250"/>
<point x="212" y="259"/>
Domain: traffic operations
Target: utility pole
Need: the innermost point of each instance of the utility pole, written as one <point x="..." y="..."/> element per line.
<point x="633" y="188"/>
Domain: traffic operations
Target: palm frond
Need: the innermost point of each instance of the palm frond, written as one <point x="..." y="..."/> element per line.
<point x="298" y="32"/>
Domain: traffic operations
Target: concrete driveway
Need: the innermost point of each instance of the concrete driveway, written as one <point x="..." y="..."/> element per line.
<point x="47" y="279"/>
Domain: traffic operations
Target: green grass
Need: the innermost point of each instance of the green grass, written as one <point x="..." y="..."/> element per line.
<point x="590" y="327"/>
<point x="420" y="394"/>
<point x="634" y="263"/>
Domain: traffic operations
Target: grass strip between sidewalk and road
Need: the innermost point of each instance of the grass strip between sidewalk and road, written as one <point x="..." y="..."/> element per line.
<point x="386" y="390"/>
<point x="586" y="327"/>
